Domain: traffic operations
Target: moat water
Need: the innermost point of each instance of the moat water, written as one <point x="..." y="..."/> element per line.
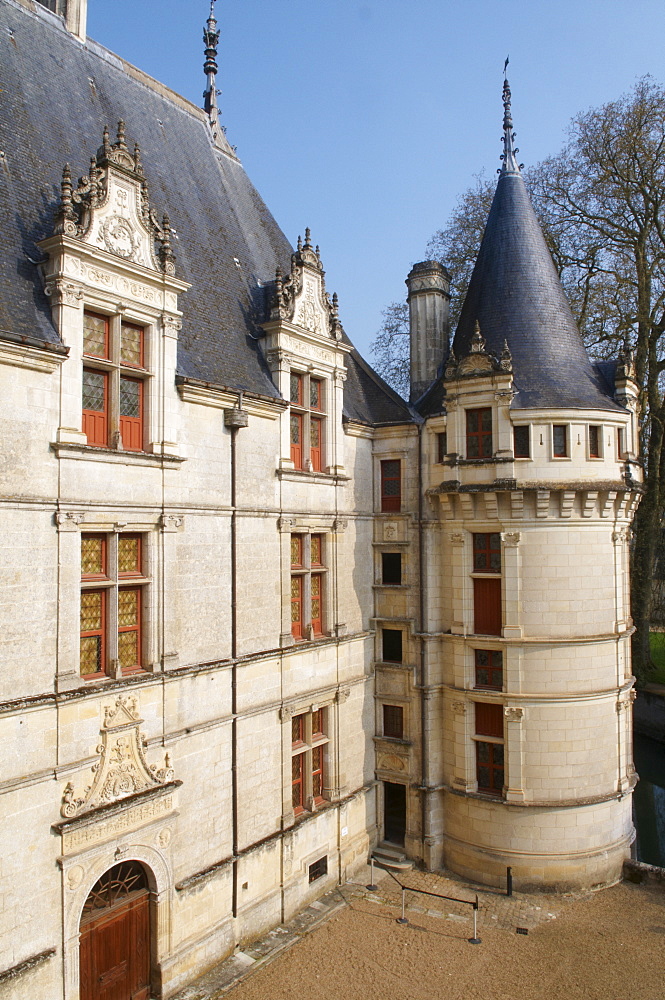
<point x="649" y="800"/>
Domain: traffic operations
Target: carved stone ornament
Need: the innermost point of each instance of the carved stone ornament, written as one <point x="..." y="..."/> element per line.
<point x="511" y="538"/>
<point x="171" y="522"/>
<point x="479" y="361"/>
<point x="459" y="707"/>
<point x="122" y="768"/>
<point x="391" y="762"/>
<point x="286" y="524"/>
<point x="69" y="520"/>
<point x="110" y="208"/>
<point x="513" y="714"/>
<point x="301" y="296"/>
<point x="63" y="292"/>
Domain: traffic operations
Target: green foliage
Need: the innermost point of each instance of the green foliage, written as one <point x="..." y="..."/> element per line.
<point x="657" y="644"/>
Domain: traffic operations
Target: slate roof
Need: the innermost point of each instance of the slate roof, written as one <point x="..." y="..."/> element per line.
<point x="516" y="296"/>
<point x="57" y="96"/>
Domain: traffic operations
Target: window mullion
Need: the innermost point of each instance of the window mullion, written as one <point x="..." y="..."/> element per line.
<point x="112" y="606"/>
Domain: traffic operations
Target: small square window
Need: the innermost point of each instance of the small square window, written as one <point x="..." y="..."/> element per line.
<point x="489" y="669"/>
<point x="393" y="721"/>
<point x="392" y="645"/>
<point x="391" y="568"/>
<point x="318" y="869"/>
<point x="560" y="440"/>
<point x="521" y="441"/>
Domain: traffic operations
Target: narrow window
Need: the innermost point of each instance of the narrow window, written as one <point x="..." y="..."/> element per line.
<point x="298" y="764"/>
<point x="489" y="755"/>
<point x="441" y="447"/>
<point x="487" y="587"/>
<point x="391" y="568"/>
<point x="479" y="433"/>
<point x="489" y="767"/>
<point x="621" y="444"/>
<point x="521" y="441"/>
<point x="296" y="586"/>
<point x="489" y="669"/>
<point x="95" y="335"/>
<point x="393" y="721"/>
<point x="296" y="439"/>
<point x="560" y="440"/>
<point x="131" y="413"/>
<point x="594" y="441"/>
<point x="392" y="645"/>
<point x="391" y="485"/>
<point x="131" y="345"/>
<point x="93" y="633"/>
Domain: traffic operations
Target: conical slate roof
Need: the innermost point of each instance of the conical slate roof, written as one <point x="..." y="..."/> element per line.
<point x="516" y="296"/>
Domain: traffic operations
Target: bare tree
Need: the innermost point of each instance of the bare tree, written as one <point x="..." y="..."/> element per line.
<point x="390" y="349"/>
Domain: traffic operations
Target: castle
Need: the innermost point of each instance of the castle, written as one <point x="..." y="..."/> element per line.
<point x="258" y="614"/>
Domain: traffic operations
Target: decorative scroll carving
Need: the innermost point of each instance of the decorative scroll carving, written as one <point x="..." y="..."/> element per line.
<point x="69" y="520"/>
<point x="63" y="292"/>
<point x="391" y="762"/>
<point x="479" y="361"/>
<point x="286" y="524"/>
<point x="511" y="538"/>
<point x="171" y="522"/>
<point x="301" y="296"/>
<point x="122" y="768"/>
<point x="111" y="208"/>
<point x="513" y="714"/>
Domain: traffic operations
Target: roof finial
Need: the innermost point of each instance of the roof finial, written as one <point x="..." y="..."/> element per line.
<point x="510" y="164"/>
<point x="210" y="40"/>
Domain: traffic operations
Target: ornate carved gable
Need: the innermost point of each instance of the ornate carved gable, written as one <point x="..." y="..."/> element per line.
<point x="479" y="361"/>
<point x="110" y="208"/>
<point x="122" y="768"/>
<point x="301" y="297"/>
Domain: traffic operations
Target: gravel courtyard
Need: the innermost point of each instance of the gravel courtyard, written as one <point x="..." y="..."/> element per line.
<point x="608" y="945"/>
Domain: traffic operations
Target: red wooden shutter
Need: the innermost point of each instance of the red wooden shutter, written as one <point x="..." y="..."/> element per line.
<point x="129" y="628"/>
<point x="296" y="607"/>
<point x="317" y="603"/>
<point x="487" y="606"/>
<point x="317" y="773"/>
<point x="131" y="413"/>
<point x="95" y="407"/>
<point x="315" y="436"/>
<point x="489" y="720"/>
<point x="296" y="439"/>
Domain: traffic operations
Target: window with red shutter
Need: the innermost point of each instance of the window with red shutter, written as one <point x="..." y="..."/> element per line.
<point x="307" y="586"/>
<point x="308" y="755"/>
<point x="113" y="413"/>
<point x="391" y="485"/>
<point x="306" y="428"/>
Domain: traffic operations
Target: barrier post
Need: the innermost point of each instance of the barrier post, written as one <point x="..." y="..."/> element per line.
<point x="402" y="919"/>
<point x="371" y="887"/>
<point x="509" y="881"/>
<point x="475" y="939"/>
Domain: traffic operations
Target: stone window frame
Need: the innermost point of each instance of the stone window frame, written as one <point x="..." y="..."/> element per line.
<point x="522" y="458"/>
<point x="481" y="436"/>
<point x="112" y="582"/>
<point x="114" y="370"/>
<point x="303" y="748"/>
<point x="563" y="456"/>
<point x="304" y="572"/>
<point x="306" y="413"/>
<point x="489" y="740"/>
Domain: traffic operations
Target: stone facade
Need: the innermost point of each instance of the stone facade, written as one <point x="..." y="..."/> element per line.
<point x="304" y="671"/>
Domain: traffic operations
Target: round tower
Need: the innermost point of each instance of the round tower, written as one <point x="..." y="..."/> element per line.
<point x="528" y="590"/>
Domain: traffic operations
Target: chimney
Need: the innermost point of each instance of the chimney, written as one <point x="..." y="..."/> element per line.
<point x="429" y="307"/>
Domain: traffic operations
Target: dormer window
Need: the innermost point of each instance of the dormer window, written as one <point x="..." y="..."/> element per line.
<point x="479" y="433"/>
<point x="306" y="398"/>
<point x="113" y="382"/>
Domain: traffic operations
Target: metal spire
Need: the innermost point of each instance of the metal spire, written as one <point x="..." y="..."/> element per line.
<point x="510" y="164"/>
<point x="210" y="40"/>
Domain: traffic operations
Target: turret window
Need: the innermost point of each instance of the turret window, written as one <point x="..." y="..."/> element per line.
<point x="487" y="611"/>
<point x="479" y="433"/>
<point x="489" y="669"/>
<point x="391" y="485"/>
<point x="521" y="443"/>
<point x="490" y="773"/>
<point x="560" y="440"/>
<point x="595" y="438"/>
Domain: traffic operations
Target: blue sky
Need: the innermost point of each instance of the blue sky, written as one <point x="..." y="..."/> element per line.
<point x="366" y="119"/>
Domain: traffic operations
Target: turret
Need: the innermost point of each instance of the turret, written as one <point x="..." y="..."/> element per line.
<point x="429" y="305"/>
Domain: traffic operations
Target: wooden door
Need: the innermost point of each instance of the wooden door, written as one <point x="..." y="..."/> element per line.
<point x="115" y="938"/>
<point x="394" y="813"/>
<point x="487" y="606"/>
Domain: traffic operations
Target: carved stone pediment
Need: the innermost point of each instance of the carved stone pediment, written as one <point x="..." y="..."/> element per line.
<point x="110" y="208"/>
<point x="122" y="768"/>
<point x="479" y="361"/>
<point x="301" y="297"/>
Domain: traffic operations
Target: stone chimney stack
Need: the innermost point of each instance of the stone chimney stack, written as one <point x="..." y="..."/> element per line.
<point x="429" y="316"/>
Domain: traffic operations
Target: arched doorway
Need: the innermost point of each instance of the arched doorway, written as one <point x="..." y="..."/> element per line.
<point x="115" y="936"/>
